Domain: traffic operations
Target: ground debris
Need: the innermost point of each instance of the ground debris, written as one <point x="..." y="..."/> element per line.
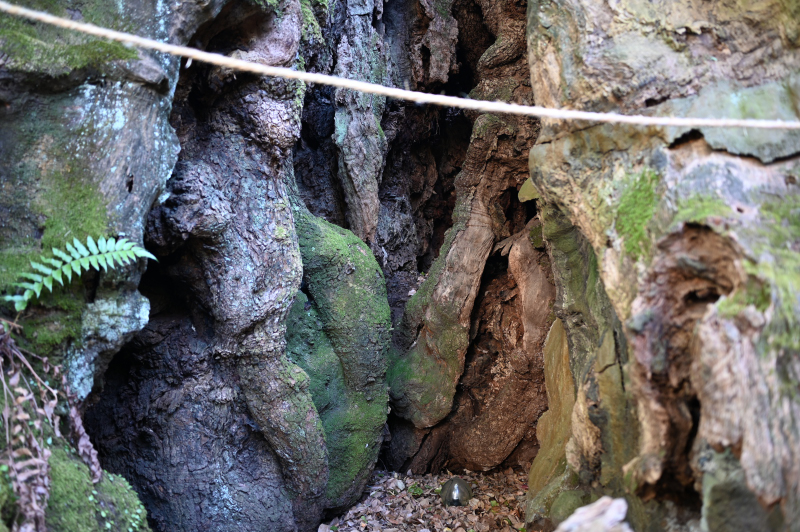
<point x="394" y="502"/>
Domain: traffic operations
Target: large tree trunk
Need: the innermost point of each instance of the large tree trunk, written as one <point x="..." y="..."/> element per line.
<point x="617" y="305"/>
<point x="690" y="238"/>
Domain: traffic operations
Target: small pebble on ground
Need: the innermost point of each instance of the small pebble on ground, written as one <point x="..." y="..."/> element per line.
<point x="411" y="503"/>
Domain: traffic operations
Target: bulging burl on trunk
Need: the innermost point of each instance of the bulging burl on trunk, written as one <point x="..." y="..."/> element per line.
<point x="239" y="247"/>
<point x="339" y="334"/>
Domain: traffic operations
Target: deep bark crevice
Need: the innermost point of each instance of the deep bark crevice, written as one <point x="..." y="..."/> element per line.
<point x="693" y="269"/>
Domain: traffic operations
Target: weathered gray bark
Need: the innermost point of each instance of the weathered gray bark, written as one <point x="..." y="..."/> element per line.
<point x="194" y="453"/>
<point x="86" y="150"/>
<point x="695" y="245"/>
<point x="227" y="234"/>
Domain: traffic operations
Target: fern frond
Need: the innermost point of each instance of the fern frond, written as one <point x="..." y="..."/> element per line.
<point x="102" y="253"/>
<point x="80" y="247"/>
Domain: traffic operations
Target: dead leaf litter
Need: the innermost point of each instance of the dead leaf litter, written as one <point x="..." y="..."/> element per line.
<point x="394" y="502"/>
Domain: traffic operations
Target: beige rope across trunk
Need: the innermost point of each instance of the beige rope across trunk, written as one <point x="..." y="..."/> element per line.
<point x="373" y="88"/>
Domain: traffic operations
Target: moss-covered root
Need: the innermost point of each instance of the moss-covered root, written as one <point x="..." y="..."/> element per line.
<point x="349" y="315"/>
<point x="77" y="505"/>
<point x="424" y="381"/>
<point x="349" y="290"/>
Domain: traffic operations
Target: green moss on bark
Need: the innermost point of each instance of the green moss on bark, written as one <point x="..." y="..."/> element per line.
<point x="78" y="505"/>
<point x="357" y="303"/>
<point x="311" y="27"/>
<point x="269" y="5"/>
<point x="70" y="207"/>
<point x="485" y="123"/>
<point x="46" y="49"/>
<point x="773" y="272"/>
<point x="353" y="443"/>
<point x="698" y="209"/>
<point x="309" y="347"/>
<point x="49" y="197"/>
<point x="754" y="293"/>
<point x="636" y="208"/>
<point x="340" y="336"/>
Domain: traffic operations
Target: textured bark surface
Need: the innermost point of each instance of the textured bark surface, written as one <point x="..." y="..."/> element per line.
<point x="229" y="199"/>
<point x="233" y="239"/>
<point x="85" y="150"/>
<point x="694" y="249"/>
<point x="504" y="381"/>
<point x="501" y="393"/>
<point x="358" y="136"/>
<point x="195" y="454"/>
<point x="438" y="317"/>
<point x="327" y="256"/>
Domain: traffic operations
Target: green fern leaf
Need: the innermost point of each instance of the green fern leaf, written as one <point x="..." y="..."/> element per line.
<point x="20" y="302"/>
<point x="41" y="267"/>
<point x="139" y="252"/>
<point x="35" y="277"/>
<point x="72" y="251"/>
<point x="55" y="262"/>
<point x="80" y="247"/>
<point x="91" y="245"/>
<point x="61" y="255"/>
<point x="101" y="253"/>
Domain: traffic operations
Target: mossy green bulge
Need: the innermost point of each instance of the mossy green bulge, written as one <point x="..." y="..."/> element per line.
<point x="339" y="334"/>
